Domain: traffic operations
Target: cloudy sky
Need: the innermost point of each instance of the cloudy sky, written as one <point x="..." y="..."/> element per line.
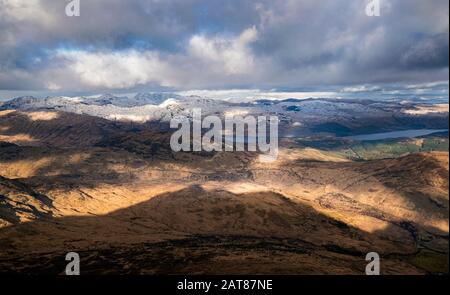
<point x="289" y="45"/>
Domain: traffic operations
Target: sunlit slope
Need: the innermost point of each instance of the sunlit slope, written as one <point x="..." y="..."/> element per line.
<point x="122" y="190"/>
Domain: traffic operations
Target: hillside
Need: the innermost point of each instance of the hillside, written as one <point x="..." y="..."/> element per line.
<point x="115" y="190"/>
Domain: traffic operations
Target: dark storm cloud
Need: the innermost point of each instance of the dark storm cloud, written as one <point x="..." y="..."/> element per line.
<point x="220" y="44"/>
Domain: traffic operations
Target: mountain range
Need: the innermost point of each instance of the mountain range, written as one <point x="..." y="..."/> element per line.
<point x="75" y="176"/>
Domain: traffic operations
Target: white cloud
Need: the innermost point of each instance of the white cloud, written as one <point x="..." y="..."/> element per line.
<point x="360" y="88"/>
<point x="428" y="85"/>
<point x="230" y="55"/>
<point x="254" y="44"/>
<point x="117" y="70"/>
<point x="205" y="57"/>
<point x="24" y="10"/>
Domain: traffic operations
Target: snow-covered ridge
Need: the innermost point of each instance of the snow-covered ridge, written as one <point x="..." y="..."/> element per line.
<point x="144" y="107"/>
<point x="140" y="108"/>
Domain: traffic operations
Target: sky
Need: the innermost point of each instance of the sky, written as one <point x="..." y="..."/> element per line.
<point x="326" y="46"/>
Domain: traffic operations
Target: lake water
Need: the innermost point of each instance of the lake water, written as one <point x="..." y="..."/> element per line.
<point x="396" y="134"/>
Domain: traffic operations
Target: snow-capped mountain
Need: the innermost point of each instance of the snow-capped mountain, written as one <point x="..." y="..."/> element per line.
<point x="153" y="98"/>
<point x="327" y="114"/>
<point x="142" y="107"/>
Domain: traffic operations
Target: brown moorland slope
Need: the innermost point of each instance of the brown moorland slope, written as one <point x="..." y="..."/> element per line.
<point x="127" y="204"/>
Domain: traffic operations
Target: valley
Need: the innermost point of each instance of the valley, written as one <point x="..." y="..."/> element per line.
<point x="114" y="191"/>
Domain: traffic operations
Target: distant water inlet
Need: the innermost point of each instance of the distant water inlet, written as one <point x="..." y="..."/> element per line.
<point x="412" y="133"/>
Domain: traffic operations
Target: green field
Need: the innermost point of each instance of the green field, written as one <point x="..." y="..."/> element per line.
<point x="379" y="149"/>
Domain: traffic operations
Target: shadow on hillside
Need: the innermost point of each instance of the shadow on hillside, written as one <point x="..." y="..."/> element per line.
<point x="192" y="230"/>
<point x="420" y="180"/>
<point x="116" y="157"/>
<point x="213" y="232"/>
